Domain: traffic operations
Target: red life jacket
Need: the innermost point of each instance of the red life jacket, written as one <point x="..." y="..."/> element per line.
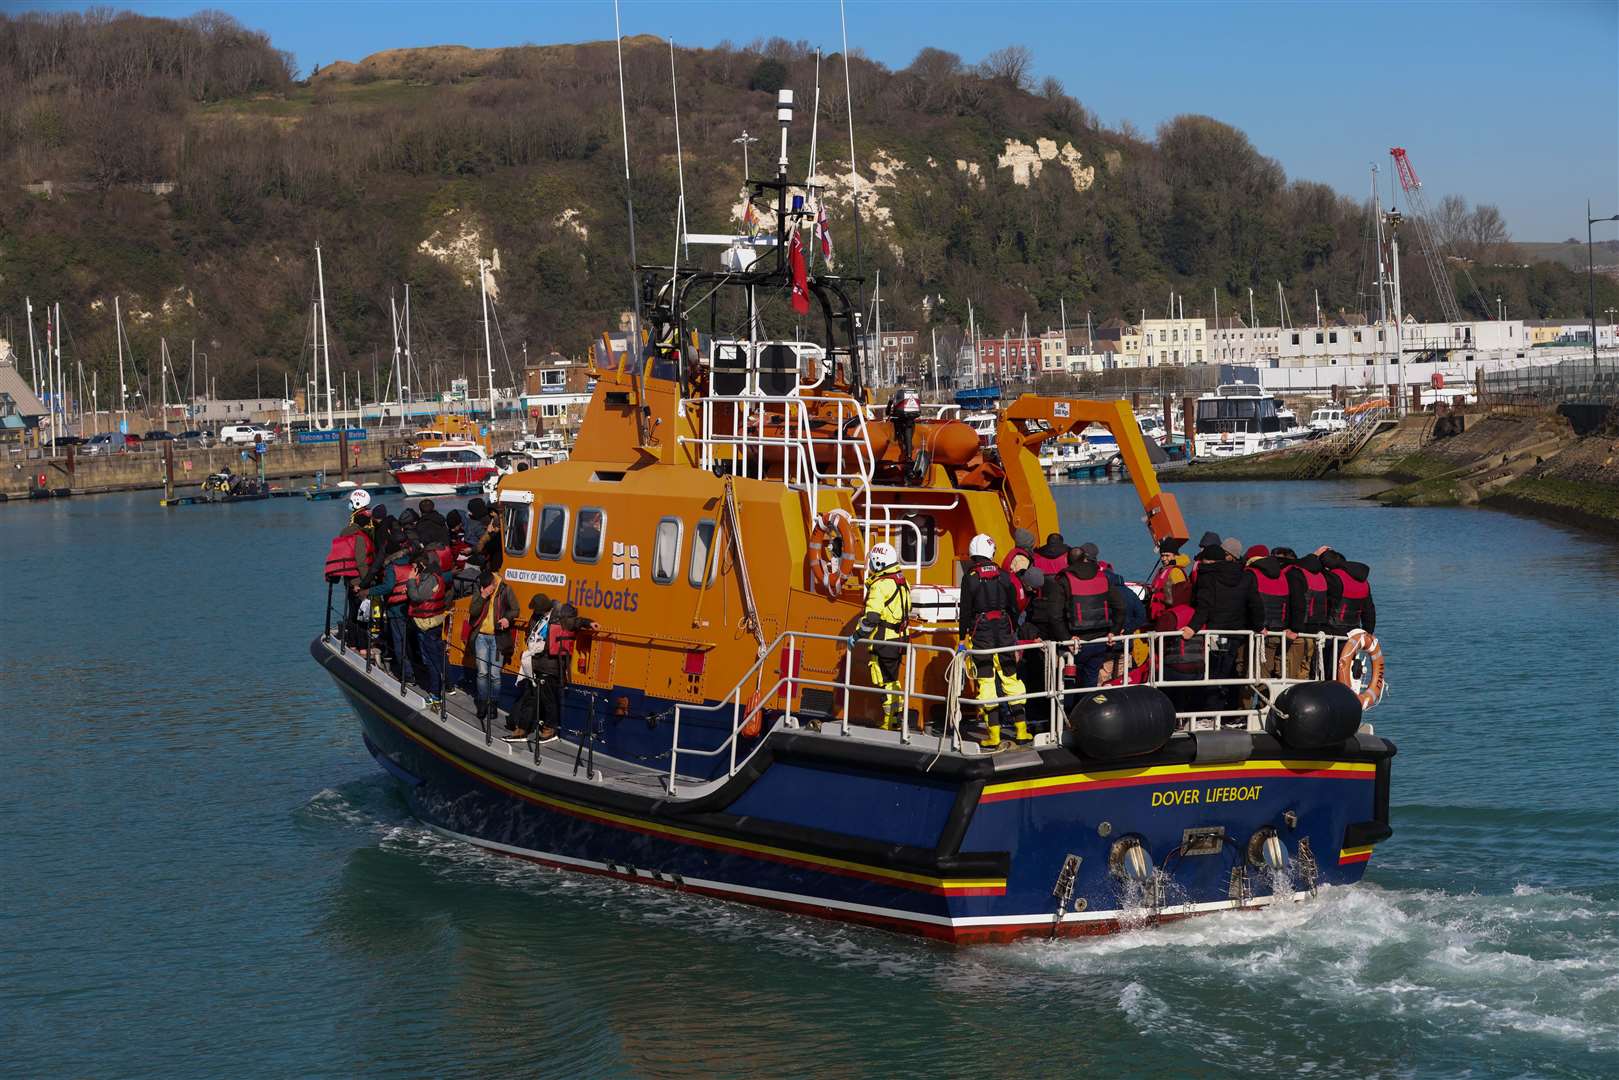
<point x="1183" y="657"/>
<point x="1273" y="595"/>
<point x="1350" y="609"/>
<point x="1315" y="597"/>
<point x="343" y="560"/>
<point x="403" y="573"/>
<point x="445" y="557"/>
<point x="558" y="641"/>
<point x="1092" y="612"/>
<point x="1050" y="566"/>
<point x="424" y="609"/>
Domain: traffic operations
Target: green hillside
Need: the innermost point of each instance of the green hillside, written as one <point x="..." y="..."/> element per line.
<point x="406" y="164"/>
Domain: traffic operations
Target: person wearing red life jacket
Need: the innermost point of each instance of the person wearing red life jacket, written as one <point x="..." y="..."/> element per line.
<point x="1095" y="613"/>
<point x="427" y="603"/>
<point x="1349" y="594"/>
<point x="1181" y="658"/>
<point x="547" y="662"/>
<point x="1306" y="609"/>
<point x="1172" y="569"/>
<point x="988" y="620"/>
<point x="350" y="559"/>
<point x="1275" y="600"/>
<point x="390" y="592"/>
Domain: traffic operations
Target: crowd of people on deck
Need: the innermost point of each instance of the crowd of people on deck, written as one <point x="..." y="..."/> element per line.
<point x="1054" y="592"/>
<point x="400" y="577"/>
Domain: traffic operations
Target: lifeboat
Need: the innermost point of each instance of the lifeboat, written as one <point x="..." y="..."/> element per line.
<point x="446" y="468"/>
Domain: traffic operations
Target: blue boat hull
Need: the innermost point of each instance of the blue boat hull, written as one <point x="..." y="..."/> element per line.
<point x="967" y="850"/>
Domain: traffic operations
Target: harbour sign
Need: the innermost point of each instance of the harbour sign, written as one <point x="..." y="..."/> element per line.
<point x="309" y="438"/>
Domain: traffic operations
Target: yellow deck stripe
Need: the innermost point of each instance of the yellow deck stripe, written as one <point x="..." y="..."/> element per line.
<point x="1189" y="772"/>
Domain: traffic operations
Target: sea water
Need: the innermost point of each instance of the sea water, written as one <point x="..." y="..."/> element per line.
<point x="203" y="873"/>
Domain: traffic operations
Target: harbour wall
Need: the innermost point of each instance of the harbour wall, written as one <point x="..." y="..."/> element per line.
<point x="148" y="467"/>
<point x="1528" y="460"/>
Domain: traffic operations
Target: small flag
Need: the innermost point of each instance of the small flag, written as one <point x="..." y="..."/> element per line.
<point x="823" y="233"/>
<point x="750" y="221"/>
<point x="795" y="262"/>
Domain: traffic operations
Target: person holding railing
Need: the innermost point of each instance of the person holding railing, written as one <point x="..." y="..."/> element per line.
<point x="1095" y="613"/>
<point x="547" y="656"/>
<point x="1306" y="607"/>
<point x="1225" y="599"/>
<point x="427" y="597"/>
<point x="488" y="635"/>
<point x="353" y="551"/>
<point x="988" y="620"/>
<point x="390" y="592"/>
<point x="888" y="609"/>
<point x="1275" y="601"/>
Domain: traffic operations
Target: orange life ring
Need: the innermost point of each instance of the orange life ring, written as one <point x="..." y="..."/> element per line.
<point x="832" y="548"/>
<point x="1362" y="645"/>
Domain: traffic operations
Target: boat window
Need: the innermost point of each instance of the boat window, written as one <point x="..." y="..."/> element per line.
<point x="514" y="526"/>
<point x="907" y="539"/>
<point x="553" y="531"/>
<point x="701" y="540"/>
<point x="666" y="551"/>
<point x="587" y="535"/>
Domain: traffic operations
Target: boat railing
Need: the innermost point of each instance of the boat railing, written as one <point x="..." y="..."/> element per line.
<point x="1238" y="677"/>
<point x="733" y="432"/>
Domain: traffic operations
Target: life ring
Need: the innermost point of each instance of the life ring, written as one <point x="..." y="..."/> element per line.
<point x="1363" y="647"/>
<point x="832" y="547"/>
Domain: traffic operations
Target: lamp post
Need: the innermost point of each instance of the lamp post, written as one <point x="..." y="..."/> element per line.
<point x="1590" y="271"/>
<point x="745" y="139"/>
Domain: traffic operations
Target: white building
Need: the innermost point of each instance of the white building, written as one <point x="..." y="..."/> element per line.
<point x="1174" y="342"/>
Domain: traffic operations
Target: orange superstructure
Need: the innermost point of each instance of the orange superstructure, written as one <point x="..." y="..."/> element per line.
<point x="708" y="484"/>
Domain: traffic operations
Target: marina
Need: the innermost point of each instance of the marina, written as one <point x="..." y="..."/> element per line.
<point x="642" y="555"/>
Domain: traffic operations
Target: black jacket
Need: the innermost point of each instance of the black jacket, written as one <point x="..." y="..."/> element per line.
<point x="984" y="594"/>
<point x="1226" y="599"/>
<point x="1049" y="608"/>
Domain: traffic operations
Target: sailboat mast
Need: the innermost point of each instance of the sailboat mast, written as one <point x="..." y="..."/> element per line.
<point x="33" y="358"/>
<point x="325" y="339"/>
<point x="488" y="354"/>
<point x="163" y="377"/>
<point x="123" y="406"/>
<point x="408" y="361"/>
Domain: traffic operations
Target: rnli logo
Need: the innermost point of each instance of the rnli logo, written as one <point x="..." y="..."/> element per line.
<point x="626" y="561"/>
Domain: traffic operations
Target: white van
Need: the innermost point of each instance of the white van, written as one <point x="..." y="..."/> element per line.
<point x="245" y="434"/>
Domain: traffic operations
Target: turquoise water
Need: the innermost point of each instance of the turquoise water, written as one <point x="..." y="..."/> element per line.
<point x="202" y="873"/>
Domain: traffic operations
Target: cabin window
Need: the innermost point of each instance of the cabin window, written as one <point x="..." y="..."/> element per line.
<point x="553" y="531"/>
<point x="1318" y="338"/>
<point x="514" y="526"/>
<point x="908" y="540"/>
<point x="702" y="538"/>
<point x="587" y="535"/>
<point x="1333" y="337"/>
<point x="666" y="551"/>
<point x="1295" y="339"/>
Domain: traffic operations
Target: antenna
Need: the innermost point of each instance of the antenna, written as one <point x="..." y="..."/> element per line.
<point x="784" y="117"/>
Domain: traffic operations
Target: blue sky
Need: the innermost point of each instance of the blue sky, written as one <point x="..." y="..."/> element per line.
<point x="1506" y="103"/>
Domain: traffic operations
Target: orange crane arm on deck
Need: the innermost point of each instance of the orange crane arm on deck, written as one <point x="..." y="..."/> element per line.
<point x="1026" y="489"/>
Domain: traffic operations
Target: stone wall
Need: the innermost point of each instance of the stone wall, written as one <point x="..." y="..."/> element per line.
<point x="145" y="468"/>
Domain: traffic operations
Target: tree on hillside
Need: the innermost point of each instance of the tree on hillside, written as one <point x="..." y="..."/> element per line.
<point x="1010" y="66"/>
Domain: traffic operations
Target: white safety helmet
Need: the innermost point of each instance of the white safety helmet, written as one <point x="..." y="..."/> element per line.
<point x="359" y="499"/>
<point x="881" y="557"/>
<point x="982" y="544"/>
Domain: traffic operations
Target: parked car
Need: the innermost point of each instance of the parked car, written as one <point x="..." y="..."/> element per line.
<point x="159" y="436"/>
<point x="70" y="440"/>
<point x="108" y="442"/>
<point x="245" y="434"/>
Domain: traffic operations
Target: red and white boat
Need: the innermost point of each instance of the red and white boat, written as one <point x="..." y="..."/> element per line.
<point x="442" y="469"/>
